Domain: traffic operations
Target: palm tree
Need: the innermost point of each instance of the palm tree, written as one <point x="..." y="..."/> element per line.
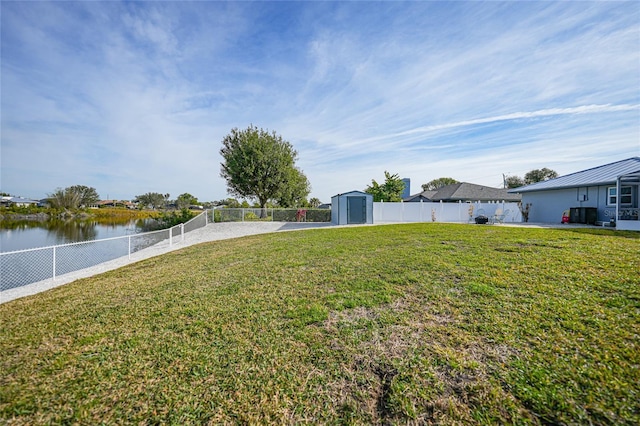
<point x="65" y="199"/>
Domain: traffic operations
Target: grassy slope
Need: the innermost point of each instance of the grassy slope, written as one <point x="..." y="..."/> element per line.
<point x="425" y="323"/>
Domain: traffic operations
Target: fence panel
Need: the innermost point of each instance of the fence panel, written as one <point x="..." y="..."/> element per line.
<point x="441" y="212"/>
<point x="19" y="268"/>
<point x="73" y="257"/>
<point x="196" y="223"/>
<point x="148" y="239"/>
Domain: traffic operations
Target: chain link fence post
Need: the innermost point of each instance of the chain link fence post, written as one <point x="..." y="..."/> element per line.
<point x="54" y="263"/>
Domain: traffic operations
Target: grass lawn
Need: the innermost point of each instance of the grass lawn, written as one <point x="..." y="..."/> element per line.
<point x="396" y="324"/>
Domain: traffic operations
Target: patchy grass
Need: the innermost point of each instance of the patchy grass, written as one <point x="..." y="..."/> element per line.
<point x="398" y="324"/>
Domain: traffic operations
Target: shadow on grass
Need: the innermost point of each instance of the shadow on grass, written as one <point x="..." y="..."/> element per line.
<point x="606" y="232"/>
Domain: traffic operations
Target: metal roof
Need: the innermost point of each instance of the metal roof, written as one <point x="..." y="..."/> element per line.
<point x="601" y="175"/>
<point x="19" y="200"/>
<point x="353" y="192"/>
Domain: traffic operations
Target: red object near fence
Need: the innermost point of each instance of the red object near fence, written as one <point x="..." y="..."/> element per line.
<point x="301" y="215"/>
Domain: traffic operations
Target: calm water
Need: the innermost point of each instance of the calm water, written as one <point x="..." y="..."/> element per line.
<point x="22" y="235"/>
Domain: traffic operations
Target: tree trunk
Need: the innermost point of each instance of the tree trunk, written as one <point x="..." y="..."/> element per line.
<point x="263" y="209"/>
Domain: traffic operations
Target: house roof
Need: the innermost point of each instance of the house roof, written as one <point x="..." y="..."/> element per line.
<point x="601" y="175"/>
<point x="465" y="191"/>
<point x="423" y="196"/>
<point x="18" y="200"/>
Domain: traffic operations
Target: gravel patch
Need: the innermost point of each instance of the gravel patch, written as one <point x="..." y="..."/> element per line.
<point x="211" y="232"/>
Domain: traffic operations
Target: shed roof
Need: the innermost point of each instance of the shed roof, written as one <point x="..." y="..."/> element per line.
<point x="601" y="175"/>
<point x="352" y="192"/>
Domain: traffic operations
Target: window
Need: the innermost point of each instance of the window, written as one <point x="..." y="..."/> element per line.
<point x="625" y="195"/>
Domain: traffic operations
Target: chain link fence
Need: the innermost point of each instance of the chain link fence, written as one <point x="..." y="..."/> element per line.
<point x="23" y="267"/>
<point x="271" y="215"/>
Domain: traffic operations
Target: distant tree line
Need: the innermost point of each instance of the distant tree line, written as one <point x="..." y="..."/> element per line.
<point x="156" y="200"/>
<point x="79" y="196"/>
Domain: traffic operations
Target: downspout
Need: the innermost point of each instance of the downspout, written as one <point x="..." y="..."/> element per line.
<point x="617" y="199"/>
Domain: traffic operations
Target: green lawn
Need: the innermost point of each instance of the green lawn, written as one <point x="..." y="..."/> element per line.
<point x="396" y="324"/>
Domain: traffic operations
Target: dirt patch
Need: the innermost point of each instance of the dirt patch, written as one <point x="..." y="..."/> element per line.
<point x="407" y="345"/>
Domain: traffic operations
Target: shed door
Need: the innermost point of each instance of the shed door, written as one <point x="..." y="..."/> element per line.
<point x="356" y="210"/>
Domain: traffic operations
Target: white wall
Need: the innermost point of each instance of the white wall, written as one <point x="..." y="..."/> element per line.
<point x="441" y="212"/>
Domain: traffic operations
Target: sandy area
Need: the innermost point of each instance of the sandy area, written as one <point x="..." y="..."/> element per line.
<point x="211" y="232"/>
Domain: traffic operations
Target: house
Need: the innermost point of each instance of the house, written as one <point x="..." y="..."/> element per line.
<point x="465" y="192"/>
<point x="17" y="201"/>
<point x="600" y="195"/>
<point x="355" y="207"/>
<point x="114" y="203"/>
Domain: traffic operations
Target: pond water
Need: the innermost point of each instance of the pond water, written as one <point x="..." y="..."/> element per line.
<point x="27" y="234"/>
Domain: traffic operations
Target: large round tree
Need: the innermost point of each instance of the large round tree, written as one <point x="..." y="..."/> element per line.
<point x="260" y="165"/>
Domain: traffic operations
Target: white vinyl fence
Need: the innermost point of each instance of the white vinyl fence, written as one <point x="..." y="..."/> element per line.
<point x="22" y="267"/>
<point x="442" y="212"/>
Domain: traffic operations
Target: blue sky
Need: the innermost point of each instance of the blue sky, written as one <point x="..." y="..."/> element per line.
<point x="136" y="97"/>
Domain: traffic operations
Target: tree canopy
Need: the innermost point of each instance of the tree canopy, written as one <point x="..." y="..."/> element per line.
<point x="533" y="176"/>
<point x="438" y="183"/>
<point x="261" y="165"/>
<point x="390" y="190"/>
<point x="73" y="197"/>
<point x="315" y="202"/>
<point x="295" y="192"/>
<point x="513" y="182"/>
<point x="87" y="194"/>
<point x="539" y="175"/>
<point x="185" y="200"/>
<point x="64" y="199"/>
<point x="153" y="199"/>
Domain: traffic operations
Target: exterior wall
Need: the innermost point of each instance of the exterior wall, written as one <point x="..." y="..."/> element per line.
<point x="335" y="210"/>
<point x="628" y="225"/>
<point x="547" y="206"/>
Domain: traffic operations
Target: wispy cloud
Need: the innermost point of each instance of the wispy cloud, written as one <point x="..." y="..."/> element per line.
<point x="586" y="109"/>
<point x="136" y="97"/>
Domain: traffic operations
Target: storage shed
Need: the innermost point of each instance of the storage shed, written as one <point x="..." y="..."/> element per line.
<point x="355" y="207"/>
